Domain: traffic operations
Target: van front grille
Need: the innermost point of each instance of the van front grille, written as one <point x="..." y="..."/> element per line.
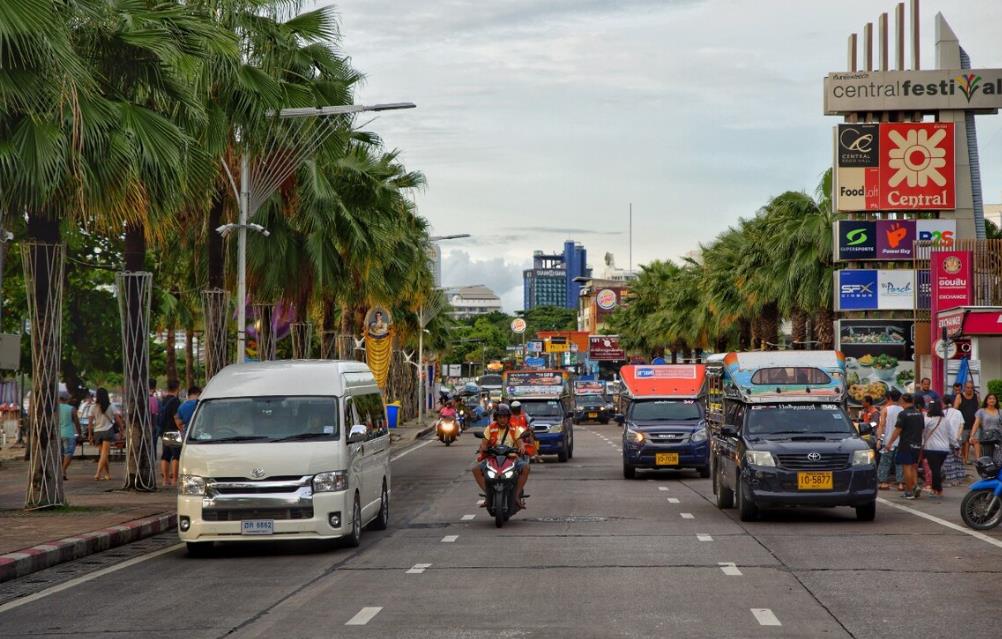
<point x="238" y="514"/>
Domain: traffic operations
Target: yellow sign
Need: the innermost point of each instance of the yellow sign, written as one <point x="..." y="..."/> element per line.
<point x="557" y="345"/>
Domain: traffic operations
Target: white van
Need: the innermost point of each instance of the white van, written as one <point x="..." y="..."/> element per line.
<point x="285" y="450"/>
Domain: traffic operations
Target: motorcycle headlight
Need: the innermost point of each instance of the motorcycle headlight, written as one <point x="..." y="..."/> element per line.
<point x="330" y="482"/>
<point x="759" y="458"/>
<point x="491" y="474"/>
<point x="698" y="436"/>
<point x="862" y="457"/>
<point x="192" y="485"/>
<point x="634" y="436"/>
<point x="508" y="473"/>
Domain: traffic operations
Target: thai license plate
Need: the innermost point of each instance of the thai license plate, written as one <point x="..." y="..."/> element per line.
<point x="815" y="481"/>
<point x="257" y="527"/>
<point x="592" y="415"/>
<point x="666" y="459"/>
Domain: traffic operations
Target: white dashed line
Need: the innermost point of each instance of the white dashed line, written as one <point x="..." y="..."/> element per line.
<point x="448" y="539"/>
<point x="687" y="516"/>
<point x="364" y="616"/>
<point x="418" y="569"/>
<point x="663" y="488"/>
<point x="704" y="537"/>
<point x="729" y="568"/>
<point x="673" y="500"/>
<point x="468" y="517"/>
<point x="619" y="450"/>
<point x="765" y="617"/>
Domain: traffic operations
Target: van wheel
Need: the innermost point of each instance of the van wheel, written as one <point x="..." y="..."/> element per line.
<point x="747" y="510"/>
<point x="867" y="512"/>
<point x="725" y="496"/>
<point x="199" y="549"/>
<point x="382" y="520"/>
<point x="355" y="538"/>
<point x="629" y="471"/>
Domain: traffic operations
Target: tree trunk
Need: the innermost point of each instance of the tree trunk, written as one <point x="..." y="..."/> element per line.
<point x="744" y="334"/>
<point x="189" y="356"/>
<point x="214" y="241"/>
<point x="43" y="260"/>
<point x="769" y="327"/>
<point x="824" y="329"/>
<point x="172" y="351"/>
<point x="799" y="320"/>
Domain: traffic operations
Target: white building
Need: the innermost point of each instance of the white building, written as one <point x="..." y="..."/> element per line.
<point x="470" y="301"/>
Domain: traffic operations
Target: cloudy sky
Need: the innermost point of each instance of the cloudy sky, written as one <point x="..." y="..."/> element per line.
<point x="541" y="120"/>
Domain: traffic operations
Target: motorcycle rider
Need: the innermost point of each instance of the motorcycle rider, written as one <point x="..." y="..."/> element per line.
<point x="502" y="432"/>
<point x="449" y="410"/>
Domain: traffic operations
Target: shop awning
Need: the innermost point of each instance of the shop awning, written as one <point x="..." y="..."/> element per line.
<point x="967" y="321"/>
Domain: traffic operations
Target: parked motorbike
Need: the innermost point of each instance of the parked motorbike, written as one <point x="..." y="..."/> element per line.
<point x="447" y="430"/>
<point x="981" y="508"/>
<point x="501" y="478"/>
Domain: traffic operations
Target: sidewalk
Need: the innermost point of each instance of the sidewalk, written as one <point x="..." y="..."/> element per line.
<point x="99" y="515"/>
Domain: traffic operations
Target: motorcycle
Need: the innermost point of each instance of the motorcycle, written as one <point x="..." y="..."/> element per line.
<point x="447" y="430"/>
<point x="981" y="508"/>
<point x="461" y="418"/>
<point x="501" y="478"/>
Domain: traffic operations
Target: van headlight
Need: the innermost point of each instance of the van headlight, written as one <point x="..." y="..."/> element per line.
<point x="862" y="457"/>
<point x="191" y="485"/>
<point x="330" y="482"/>
<point x="759" y="458"/>
<point x="698" y="436"/>
<point x="634" y="436"/>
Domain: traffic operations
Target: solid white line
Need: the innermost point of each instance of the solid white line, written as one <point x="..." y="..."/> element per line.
<point x="673" y="500"/>
<point x="448" y="539"/>
<point x="687" y="516"/>
<point x="765" y="617"/>
<point x="468" y="517"/>
<point x="10" y="605"/>
<point x="418" y="569"/>
<point x="704" y="537"/>
<point x="729" y="568"/>
<point x="663" y="488"/>
<point x="364" y="616"/>
<point x="942" y="522"/>
<point x="411" y="450"/>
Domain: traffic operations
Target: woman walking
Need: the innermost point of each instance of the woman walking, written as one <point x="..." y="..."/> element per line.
<point x="939" y="438"/>
<point x="102" y="428"/>
<point x="967" y="403"/>
<point x="987" y="424"/>
<point x="954" y="472"/>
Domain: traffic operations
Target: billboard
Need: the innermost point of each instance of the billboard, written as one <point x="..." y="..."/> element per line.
<point x="605" y="348"/>
<point x="874" y="289"/>
<point x="934" y="90"/>
<point x="889" y="239"/>
<point x="879" y="355"/>
<point x="952" y="274"/>
<point x="895" y="166"/>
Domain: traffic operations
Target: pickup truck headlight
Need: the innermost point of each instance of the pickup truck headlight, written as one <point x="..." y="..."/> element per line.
<point x="634" y="436"/>
<point x="862" y="457"/>
<point x="330" y="482"/>
<point x="698" y="436"/>
<point x="557" y="428"/>
<point x="192" y="485"/>
<point x="759" y="458"/>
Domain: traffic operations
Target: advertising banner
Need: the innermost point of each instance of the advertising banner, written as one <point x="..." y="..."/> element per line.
<point x="890" y="239"/>
<point x="534" y="346"/>
<point x="952" y="274"/>
<point x="535" y="362"/>
<point x="557" y="345"/>
<point x="879" y="356"/>
<point x="978" y="90"/>
<point x="855" y="240"/>
<point x="874" y="289"/>
<point x="895" y="166"/>
<point x="895" y="289"/>
<point x="605" y="348"/>
<point x="607" y="299"/>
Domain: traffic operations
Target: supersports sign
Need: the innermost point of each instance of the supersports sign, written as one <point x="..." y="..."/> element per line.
<point x="900" y="166"/>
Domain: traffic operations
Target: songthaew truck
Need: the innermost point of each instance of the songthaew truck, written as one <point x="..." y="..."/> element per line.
<point x="664" y="418"/>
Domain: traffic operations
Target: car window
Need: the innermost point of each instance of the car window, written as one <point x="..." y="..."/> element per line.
<point x="790" y="375"/>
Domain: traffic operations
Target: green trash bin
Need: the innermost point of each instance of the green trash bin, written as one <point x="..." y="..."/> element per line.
<point x="393" y="414"/>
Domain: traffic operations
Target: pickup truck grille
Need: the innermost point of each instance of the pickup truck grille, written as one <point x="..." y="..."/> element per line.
<point x="666" y="438"/>
<point x="826" y="461"/>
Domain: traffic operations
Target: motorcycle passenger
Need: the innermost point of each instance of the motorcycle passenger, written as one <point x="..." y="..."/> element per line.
<point x="521" y="419"/>
<point x="502" y="432"/>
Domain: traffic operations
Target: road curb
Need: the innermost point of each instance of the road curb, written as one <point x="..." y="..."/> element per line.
<point x="28" y="560"/>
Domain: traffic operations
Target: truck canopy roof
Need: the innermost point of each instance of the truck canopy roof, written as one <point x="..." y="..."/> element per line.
<point x="786" y="376"/>
<point x="663" y="380"/>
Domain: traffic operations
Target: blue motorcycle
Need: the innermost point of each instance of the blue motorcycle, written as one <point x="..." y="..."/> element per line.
<point x="982" y="506"/>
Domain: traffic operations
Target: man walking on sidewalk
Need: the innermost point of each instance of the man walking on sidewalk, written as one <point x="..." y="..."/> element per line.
<point x="908" y="432"/>
<point x="889" y="417"/>
<point x="170" y="455"/>
<point x="69" y="430"/>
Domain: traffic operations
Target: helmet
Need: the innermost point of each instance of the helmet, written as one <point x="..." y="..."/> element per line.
<point x="502" y="410"/>
<point x="516" y="407"/>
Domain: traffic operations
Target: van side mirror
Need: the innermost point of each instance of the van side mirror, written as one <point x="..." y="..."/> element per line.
<point x="620" y="419"/>
<point x="357" y="434"/>
<point x="172" y="439"/>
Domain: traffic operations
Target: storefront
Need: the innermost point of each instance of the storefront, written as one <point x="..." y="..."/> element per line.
<point x="976" y="330"/>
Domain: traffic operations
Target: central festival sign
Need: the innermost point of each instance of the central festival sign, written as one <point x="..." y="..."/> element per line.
<point x="895" y="166"/>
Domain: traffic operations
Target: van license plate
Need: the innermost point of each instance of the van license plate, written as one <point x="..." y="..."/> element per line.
<point x="815" y="481"/>
<point x="257" y="527"/>
<point x="666" y="459"/>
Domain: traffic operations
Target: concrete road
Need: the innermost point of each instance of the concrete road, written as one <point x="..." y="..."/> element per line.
<point x="594" y="556"/>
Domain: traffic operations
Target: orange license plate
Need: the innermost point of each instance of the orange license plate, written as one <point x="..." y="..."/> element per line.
<point x="815" y="481"/>
<point x="666" y="459"/>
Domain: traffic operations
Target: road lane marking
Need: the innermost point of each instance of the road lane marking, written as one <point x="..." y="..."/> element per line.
<point x="364" y="616"/>
<point x="942" y="522"/>
<point x="687" y="516"/>
<point x="619" y="450"/>
<point x="704" y="537"/>
<point x="765" y="617"/>
<point x="468" y="517"/>
<point x="448" y="539"/>
<point x="673" y="500"/>
<point x="10" y="605"/>
<point x="729" y="568"/>
<point x="663" y="488"/>
<point x="411" y="450"/>
<point x="418" y="569"/>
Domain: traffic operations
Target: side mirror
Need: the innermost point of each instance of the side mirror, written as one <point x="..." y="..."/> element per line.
<point x="620" y="419"/>
<point x="728" y="431"/>
<point x="173" y="439"/>
<point x="357" y="434"/>
<point x="867" y="428"/>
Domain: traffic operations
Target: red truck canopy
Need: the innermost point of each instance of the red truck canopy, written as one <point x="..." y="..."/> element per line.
<point x="664" y="380"/>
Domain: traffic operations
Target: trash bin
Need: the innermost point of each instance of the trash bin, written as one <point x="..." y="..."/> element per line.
<point x="393" y="413"/>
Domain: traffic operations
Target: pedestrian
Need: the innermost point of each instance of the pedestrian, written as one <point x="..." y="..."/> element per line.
<point x="986" y="434"/>
<point x="889" y="417"/>
<point x="925" y="391"/>
<point x="171" y="454"/>
<point x="154" y="414"/>
<point x="908" y="430"/>
<point x="954" y="471"/>
<point x="967" y="403"/>
<point x="187" y="408"/>
<point x="940" y="437"/>
<point x="102" y="432"/>
<point x="869" y="413"/>
<point x="69" y="429"/>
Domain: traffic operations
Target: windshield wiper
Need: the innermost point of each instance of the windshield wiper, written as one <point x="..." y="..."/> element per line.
<point x="303" y="436"/>
<point x="236" y="438"/>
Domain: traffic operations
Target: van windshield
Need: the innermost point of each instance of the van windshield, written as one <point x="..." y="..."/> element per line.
<point x="798" y="420"/>
<point x="264" y="419"/>
<point x="665" y="410"/>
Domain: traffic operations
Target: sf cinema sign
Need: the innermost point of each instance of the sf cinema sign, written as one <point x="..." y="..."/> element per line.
<point x="895" y="166"/>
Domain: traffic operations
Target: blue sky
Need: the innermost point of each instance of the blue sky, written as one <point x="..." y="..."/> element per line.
<point x="540" y="120"/>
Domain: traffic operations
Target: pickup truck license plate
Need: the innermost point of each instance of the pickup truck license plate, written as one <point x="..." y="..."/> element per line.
<point x="592" y="415"/>
<point x="257" y="527"/>
<point x="666" y="459"/>
<point x="815" y="481"/>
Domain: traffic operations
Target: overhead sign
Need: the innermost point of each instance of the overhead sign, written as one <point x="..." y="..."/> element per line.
<point x="890" y="239"/>
<point x="518" y="325"/>
<point x="934" y="90"/>
<point x="605" y="348"/>
<point x="895" y="166"/>
<point x="875" y="289"/>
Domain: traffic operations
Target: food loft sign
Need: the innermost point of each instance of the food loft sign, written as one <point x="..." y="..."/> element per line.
<point x="935" y="90"/>
<point x="895" y="167"/>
